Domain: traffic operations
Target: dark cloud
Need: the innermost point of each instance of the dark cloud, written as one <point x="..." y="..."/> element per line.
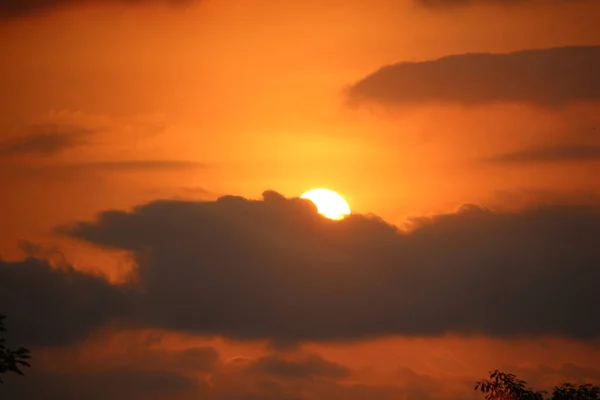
<point x="454" y="3"/>
<point x="21" y="8"/>
<point x="551" y="154"/>
<point x="275" y="269"/>
<point x="544" y="77"/>
<point x="49" y="306"/>
<point x="308" y="367"/>
<point x="36" y="250"/>
<point x="445" y="4"/>
<point x="84" y="170"/>
<point x="134" y="165"/>
<point x="579" y="373"/>
<point x="147" y="376"/>
<point x="46" y="140"/>
<point x="519" y="199"/>
<point x="542" y="376"/>
<point x="276" y="377"/>
<point x="194" y="359"/>
<point x="122" y="383"/>
<point x="417" y="386"/>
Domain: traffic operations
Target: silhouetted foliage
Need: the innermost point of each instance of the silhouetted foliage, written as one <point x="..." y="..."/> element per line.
<point x="11" y="360"/>
<point x="568" y="391"/>
<point x="503" y="386"/>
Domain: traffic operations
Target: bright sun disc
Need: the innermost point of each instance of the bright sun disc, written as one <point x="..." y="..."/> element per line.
<point x="329" y="203"/>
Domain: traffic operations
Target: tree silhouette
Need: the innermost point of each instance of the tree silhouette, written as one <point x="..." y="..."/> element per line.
<point x="503" y="386"/>
<point x="11" y="360"/>
<point x="567" y="391"/>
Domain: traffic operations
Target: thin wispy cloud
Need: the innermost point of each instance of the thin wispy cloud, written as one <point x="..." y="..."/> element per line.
<point x="450" y="4"/>
<point x="550" y="154"/>
<point x="21" y="8"/>
<point x="46" y="141"/>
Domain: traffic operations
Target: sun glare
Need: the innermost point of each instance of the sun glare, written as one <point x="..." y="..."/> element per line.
<point x="329" y="203"/>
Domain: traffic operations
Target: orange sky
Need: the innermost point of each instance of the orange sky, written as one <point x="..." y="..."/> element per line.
<point x="108" y="105"/>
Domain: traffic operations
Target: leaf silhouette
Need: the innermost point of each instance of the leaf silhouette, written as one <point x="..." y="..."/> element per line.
<point x="11" y="360"/>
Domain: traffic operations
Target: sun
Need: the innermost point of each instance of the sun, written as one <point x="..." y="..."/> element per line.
<point x="329" y="203"/>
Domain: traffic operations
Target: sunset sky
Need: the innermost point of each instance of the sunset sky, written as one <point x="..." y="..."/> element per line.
<point x="153" y="245"/>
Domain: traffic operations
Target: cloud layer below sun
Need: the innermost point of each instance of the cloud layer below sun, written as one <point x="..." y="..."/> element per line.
<point x="274" y="269"/>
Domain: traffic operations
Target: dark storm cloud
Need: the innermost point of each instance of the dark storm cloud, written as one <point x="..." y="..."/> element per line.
<point x="550" y="154"/>
<point x="46" y="140"/>
<point x="544" y="77"/>
<point x="275" y="269"/>
<point x="47" y="306"/>
<point x="22" y="8"/>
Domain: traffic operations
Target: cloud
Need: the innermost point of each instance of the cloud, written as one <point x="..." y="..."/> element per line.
<point x="142" y="373"/>
<point x="546" y="376"/>
<point x="245" y="382"/>
<point x="47" y="306"/>
<point x="445" y="4"/>
<point x="193" y="359"/>
<point x="551" y="77"/>
<point x="300" y="277"/>
<point x="144" y="367"/>
<point x="563" y="153"/>
<point x="125" y="383"/>
<point x="123" y="367"/>
<point x="308" y="367"/>
<point x="134" y="165"/>
<point x="281" y="377"/>
<point x="528" y="197"/>
<point x="21" y="8"/>
<point x="85" y="169"/>
<point x="274" y="269"/>
<point x="46" y="140"/>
